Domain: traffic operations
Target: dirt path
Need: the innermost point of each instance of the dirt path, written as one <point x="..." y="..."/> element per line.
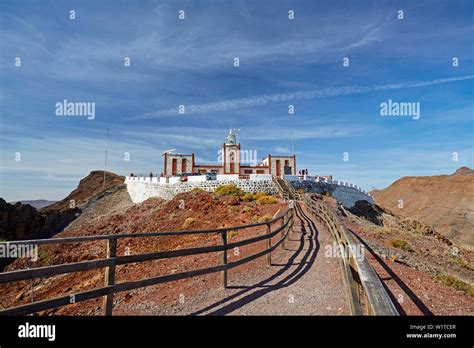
<point x="300" y="281"/>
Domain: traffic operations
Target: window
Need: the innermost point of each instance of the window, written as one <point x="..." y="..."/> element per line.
<point x="248" y="171"/>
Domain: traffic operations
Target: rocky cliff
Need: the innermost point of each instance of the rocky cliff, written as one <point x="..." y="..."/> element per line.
<point x="88" y="187"/>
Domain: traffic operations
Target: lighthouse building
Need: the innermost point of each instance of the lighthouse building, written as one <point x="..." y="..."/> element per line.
<point x="230" y="163"/>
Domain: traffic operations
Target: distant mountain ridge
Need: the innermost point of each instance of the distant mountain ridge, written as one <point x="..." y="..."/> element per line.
<point x="36" y="203"/>
<point x="445" y="202"/>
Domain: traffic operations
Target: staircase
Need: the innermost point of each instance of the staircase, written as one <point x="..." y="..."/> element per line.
<point x="285" y="189"/>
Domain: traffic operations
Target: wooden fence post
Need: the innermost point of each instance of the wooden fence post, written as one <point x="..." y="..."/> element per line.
<point x="224" y="259"/>
<point x="283" y="231"/>
<point x="108" y="300"/>
<point x="269" y="244"/>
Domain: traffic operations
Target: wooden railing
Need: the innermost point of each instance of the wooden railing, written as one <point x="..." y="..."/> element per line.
<point x="112" y="260"/>
<point x="366" y="292"/>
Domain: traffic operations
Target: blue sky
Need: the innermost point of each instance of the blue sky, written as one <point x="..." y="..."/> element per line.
<point x="190" y="62"/>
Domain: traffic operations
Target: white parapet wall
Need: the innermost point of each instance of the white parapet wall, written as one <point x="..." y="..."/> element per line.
<point x="197" y="178"/>
<point x="261" y="177"/>
<point x="222" y="177"/>
<point x="140" y="190"/>
<point x="292" y="177"/>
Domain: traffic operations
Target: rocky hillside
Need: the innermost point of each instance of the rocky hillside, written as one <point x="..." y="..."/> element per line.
<point x="22" y="221"/>
<point x="445" y="202"/>
<point x="424" y="272"/>
<point x="89" y="187"/>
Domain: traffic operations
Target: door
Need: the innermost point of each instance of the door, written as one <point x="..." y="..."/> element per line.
<point x="278" y="168"/>
<point x="173" y="167"/>
<point x="183" y="165"/>
<point x="232" y="164"/>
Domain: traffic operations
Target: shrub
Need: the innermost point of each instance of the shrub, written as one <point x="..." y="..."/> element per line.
<point x="173" y="215"/>
<point x="248" y="197"/>
<point x="188" y="222"/>
<point x="247" y="209"/>
<point x="455" y="283"/>
<point x="233" y="210"/>
<point x="266" y="200"/>
<point x="197" y="189"/>
<point x="229" y="190"/>
<point x="261" y="198"/>
<point x="401" y="244"/>
<point x="232" y="233"/>
<point x="259" y="195"/>
<point x="43" y="256"/>
<point x="265" y="218"/>
<point x="458" y="260"/>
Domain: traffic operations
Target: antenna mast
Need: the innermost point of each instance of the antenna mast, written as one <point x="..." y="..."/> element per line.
<point x="105" y="162"/>
<point x="292" y="143"/>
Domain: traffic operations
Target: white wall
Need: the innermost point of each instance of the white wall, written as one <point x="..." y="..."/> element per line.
<point x="197" y="178"/>
<point x="174" y="179"/>
<point x="260" y="177"/>
<point x="220" y="177"/>
<point x="140" y="191"/>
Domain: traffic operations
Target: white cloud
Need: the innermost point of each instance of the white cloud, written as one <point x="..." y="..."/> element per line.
<point x="278" y="98"/>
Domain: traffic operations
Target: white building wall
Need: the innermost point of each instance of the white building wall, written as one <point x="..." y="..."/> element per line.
<point x="273" y="165"/>
<point x="179" y="163"/>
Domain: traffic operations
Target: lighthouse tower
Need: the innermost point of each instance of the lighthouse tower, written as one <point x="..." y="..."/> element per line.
<point x="231" y="154"/>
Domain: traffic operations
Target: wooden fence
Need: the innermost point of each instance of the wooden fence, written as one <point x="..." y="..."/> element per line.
<point x="112" y="260"/>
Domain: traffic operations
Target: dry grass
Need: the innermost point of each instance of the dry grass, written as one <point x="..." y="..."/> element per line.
<point x="188" y="222"/>
<point x="265" y="218"/>
<point x="401" y="244"/>
<point x="232" y="233"/>
<point x="455" y="283"/>
<point x="247" y="209"/>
